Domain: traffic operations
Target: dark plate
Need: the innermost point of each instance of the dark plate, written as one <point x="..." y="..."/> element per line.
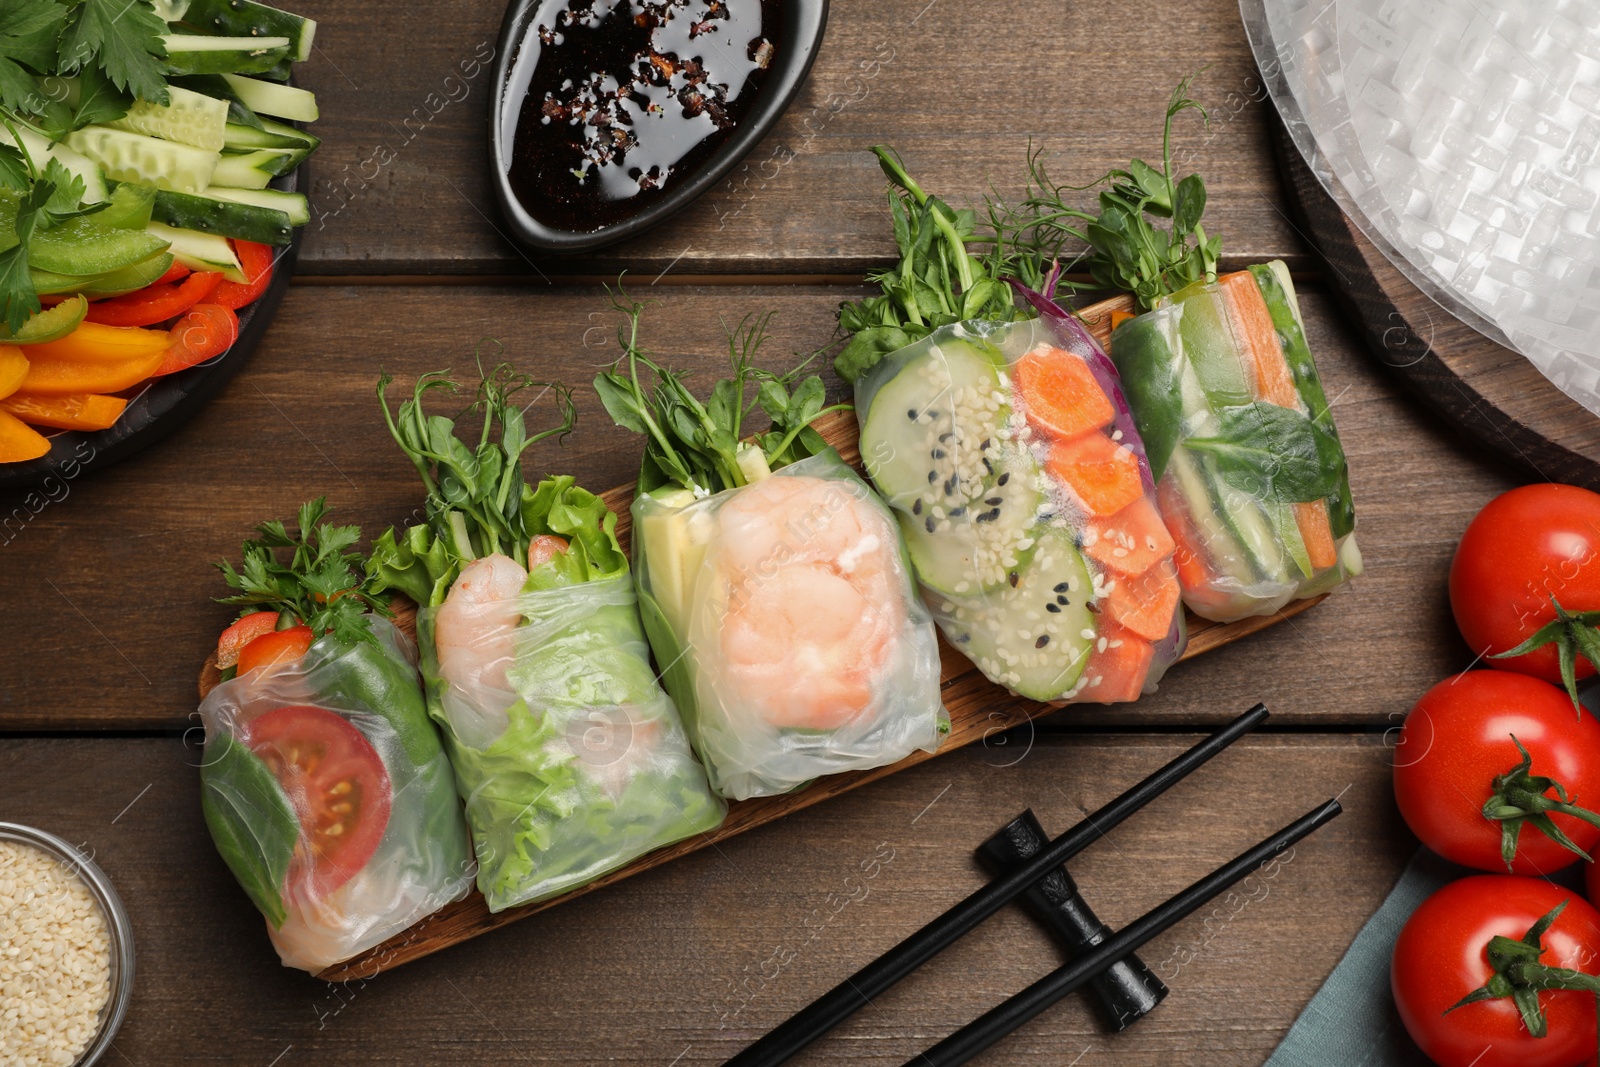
<point x="803" y="24"/>
<point x="162" y="403"/>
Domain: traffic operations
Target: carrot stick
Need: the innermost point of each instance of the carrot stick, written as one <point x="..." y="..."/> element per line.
<point x="1317" y="532"/>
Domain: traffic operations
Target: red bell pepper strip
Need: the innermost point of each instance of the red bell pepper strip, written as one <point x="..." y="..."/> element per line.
<point x="155" y="303"/>
<point x="256" y="260"/>
<point x="205" y="331"/>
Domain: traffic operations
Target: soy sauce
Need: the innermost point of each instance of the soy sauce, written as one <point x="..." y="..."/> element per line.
<point x="624" y="99"/>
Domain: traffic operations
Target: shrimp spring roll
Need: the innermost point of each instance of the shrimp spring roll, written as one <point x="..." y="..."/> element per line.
<point x="1251" y="477"/>
<point x="774" y="584"/>
<point x="998" y="432"/>
<point x="323" y="782"/>
<point x="570" y="757"/>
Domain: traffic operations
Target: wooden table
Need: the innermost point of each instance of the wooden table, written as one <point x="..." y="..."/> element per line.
<point x="105" y="610"/>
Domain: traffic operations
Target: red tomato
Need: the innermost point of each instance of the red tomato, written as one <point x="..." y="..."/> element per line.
<point x="1524" y="548"/>
<point x="206" y="330"/>
<point x="543" y="549"/>
<point x="279" y="646"/>
<point x="1440" y="957"/>
<point x="257" y="263"/>
<point x="338" y="786"/>
<point x="241" y="633"/>
<point x="155" y="303"/>
<point x="1458" y="740"/>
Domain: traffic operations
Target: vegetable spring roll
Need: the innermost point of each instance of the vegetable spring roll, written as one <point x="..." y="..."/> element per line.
<point x="571" y="759"/>
<point x="323" y="782"/>
<point x="774" y="584"/>
<point x="1008" y="452"/>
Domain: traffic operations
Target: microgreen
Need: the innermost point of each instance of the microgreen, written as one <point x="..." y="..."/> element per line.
<point x="319" y="582"/>
<point x="700" y="446"/>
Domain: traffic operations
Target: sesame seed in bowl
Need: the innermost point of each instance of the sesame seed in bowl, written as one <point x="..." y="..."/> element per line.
<point x="66" y="953"/>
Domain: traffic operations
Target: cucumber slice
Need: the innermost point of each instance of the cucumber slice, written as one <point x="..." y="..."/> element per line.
<point x="1209" y="343"/>
<point x="189" y="53"/>
<point x="246" y="18"/>
<point x="308" y="140"/>
<point x="41" y="150"/>
<point x="1036" y="636"/>
<point x="294" y="205"/>
<point x="133" y="157"/>
<point x="189" y="118"/>
<point x="209" y="213"/>
<point x="214" y="86"/>
<point x="269" y="98"/>
<point x="239" y="138"/>
<point x="201" y="251"/>
<point x="250" y="170"/>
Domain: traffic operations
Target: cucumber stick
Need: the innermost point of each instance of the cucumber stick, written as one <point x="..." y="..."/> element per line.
<point x="189" y="53"/>
<point x="200" y="251"/>
<point x="246" y="18"/>
<point x="211" y="214"/>
<point x="189" y="118"/>
<point x="133" y="157"/>
<point x="270" y="98"/>
<point x="238" y="138"/>
<point x="294" y="205"/>
<point x="253" y="170"/>
<point x="41" y="151"/>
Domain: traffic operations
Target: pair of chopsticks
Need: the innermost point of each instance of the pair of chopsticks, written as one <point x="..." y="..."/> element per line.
<point x="855" y="992"/>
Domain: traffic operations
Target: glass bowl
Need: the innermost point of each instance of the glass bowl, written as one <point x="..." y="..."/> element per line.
<point x="118" y="929"/>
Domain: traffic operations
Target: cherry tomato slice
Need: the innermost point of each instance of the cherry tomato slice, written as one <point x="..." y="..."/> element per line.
<point x="337" y="784"/>
<point x="279" y="646"/>
<point x="241" y="633"/>
<point x="544" y="548"/>
<point x="204" y="332"/>
<point x="155" y="303"/>
<point x="256" y="259"/>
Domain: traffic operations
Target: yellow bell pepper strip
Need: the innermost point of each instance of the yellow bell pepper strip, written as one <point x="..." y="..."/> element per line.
<point x="19" y="441"/>
<point x="73" y="411"/>
<point x="49" y="376"/>
<point x="13" y="369"/>
<point x="93" y="342"/>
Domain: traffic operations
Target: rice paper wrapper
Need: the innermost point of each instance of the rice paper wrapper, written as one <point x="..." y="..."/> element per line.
<point x="1252" y="480"/>
<point x="578" y="762"/>
<point x="1011" y="459"/>
<point x="350" y="720"/>
<point x="788" y="627"/>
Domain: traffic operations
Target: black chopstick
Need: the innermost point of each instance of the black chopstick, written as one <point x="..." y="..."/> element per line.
<point x="855" y="992"/>
<point x="999" y="1021"/>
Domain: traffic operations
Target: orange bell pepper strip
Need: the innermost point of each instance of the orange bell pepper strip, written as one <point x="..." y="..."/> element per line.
<point x="74" y="411"/>
<point x="60" y="377"/>
<point x="93" y="342"/>
<point x="13" y="369"/>
<point x="19" y="441"/>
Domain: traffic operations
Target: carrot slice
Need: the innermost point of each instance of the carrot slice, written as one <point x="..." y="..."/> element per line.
<point x="59" y="377"/>
<point x="74" y="411"/>
<point x="19" y="441"/>
<point x="13" y="369"/>
<point x="1102" y="474"/>
<point x="1061" y="393"/>
<point x="1252" y="325"/>
<point x="1120" y="317"/>
<point x="93" y="342"/>
<point x="1116" y="672"/>
<point x="1144" y="603"/>
<point x="1317" y="532"/>
<point x="1130" y="542"/>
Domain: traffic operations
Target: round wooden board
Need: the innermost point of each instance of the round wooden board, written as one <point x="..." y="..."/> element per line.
<point x="1488" y="391"/>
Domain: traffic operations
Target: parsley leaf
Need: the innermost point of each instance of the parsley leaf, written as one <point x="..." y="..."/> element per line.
<point x="29" y="30"/>
<point x="16" y="284"/>
<point x="122" y="38"/>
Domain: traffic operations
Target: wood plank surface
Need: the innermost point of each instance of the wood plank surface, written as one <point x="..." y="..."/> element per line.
<point x="105" y="588"/>
<point x="682" y="965"/>
<point x="399" y="185"/>
<point x="1493" y="394"/>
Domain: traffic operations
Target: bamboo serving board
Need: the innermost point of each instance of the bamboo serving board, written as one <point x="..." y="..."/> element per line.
<point x="978" y="709"/>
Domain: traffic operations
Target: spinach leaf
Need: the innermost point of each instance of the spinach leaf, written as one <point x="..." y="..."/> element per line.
<point x="251" y="821"/>
<point x="1272" y="452"/>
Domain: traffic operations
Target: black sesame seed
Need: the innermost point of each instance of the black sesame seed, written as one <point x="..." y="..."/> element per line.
<point x="1013" y="578"/>
<point x="995" y="501"/>
<point x="956" y="513"/>
<point x="1004" y="478"/>
<point x="1063" y="601"/>
<point x="986" y="443"/>
<point x="987" y="466"/>
<point x="1061" y="587"/>
<point x="1094" y="609"/>
<point x="1044" y="639"/>
<point x="1052" y="609"/>
<point x="987" y="516"/>
<point x="916" y="506"/>
<point x="963" y="639"/>
<point x="950" y="486"/>
<point x="933" y="476"/>
<point x="912" y="414"/>
<point x="938" y="453"/>
<point x="946" y="436"/>
<point x="930" y="524"/>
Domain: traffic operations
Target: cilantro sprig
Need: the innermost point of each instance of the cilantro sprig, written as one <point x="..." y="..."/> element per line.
<point x="311" y="572"/>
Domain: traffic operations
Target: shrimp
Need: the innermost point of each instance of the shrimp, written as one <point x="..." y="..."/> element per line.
<point x="474" y="637"/>
<point x="614" y="744"/>
<point x="814" y="599"/>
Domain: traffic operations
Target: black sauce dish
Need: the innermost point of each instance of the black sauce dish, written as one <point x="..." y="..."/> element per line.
<point x="800" y="25"/>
